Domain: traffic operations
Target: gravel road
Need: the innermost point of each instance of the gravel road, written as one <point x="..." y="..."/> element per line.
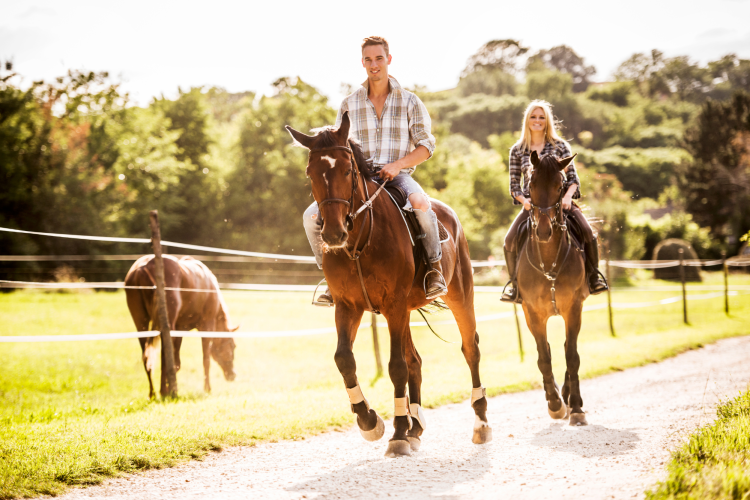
<point x="635" y="416"/>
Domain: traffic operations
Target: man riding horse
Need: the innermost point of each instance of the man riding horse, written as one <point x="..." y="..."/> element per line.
<point x="393" y="127"/>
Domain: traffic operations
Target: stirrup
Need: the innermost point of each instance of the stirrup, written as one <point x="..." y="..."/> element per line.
<point x="438" y="292"/>
<point x="604" y="286"/>
<point x="509" y="299"/>
<point x="316" y="300"/>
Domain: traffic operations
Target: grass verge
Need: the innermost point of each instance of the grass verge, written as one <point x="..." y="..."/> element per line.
<point x="75" y="413"/>
<point x="715" y="462"/>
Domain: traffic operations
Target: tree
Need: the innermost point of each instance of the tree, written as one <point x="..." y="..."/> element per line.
<point x="716" y="185"/>
<point x="564" y="59"/>
<point x="500" y="54"/>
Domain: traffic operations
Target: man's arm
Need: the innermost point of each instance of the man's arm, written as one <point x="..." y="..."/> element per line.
<point x="413" y="159"/>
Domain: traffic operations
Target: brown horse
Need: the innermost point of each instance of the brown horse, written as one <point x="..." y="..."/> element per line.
<point x="186" y="310"/>
<point x="369" y="265"/>
<point x="552" y="280"/>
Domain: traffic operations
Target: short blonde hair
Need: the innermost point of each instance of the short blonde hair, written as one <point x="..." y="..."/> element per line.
<point x="375" y="40"/>
<point x="550" y="131"/>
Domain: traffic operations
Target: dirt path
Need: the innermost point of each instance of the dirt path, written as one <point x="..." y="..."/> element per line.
<point x="636" y="416"/>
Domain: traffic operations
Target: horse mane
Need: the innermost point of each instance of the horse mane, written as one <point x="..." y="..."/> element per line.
<point x="326" y="139"/>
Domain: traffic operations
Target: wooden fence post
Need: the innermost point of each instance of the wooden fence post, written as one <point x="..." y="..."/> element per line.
<point x="726" y="281"/>
<point x="376" y="345"/>
<point x="518" y="328"/>
<point x="609" y="297"/>
<point x="684" y="293"/>
<point x="168" y="376"/>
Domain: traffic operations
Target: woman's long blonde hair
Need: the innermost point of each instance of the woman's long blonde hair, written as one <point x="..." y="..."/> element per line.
<point x="550" y="132"/>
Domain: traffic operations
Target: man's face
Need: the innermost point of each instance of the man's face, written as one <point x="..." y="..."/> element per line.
<point x="375" y="62"/>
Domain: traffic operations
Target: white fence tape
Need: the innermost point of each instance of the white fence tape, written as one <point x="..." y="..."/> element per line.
<point x="327" y="330"/>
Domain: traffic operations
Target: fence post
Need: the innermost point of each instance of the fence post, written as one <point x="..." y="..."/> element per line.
<point x="609" y="297"/>
<point x="518" y="328"/>
<point x="376" y="345"/>
<point x="726" y="281"/>
<point x="168" y="376"/>
<point x="684" y="293"/>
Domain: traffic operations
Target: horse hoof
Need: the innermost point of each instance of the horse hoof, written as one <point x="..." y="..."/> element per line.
<point x="376" y="433"/>
<point x="398" y="448"/>
<point x="559" y="414"/>
<point x="482" y="435"/>
<point x="578" y="419"/>
<point x="415" y="443"/>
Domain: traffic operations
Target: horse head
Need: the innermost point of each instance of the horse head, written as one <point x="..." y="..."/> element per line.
<point x="222" y="350"/>
<point x="334" y="177"/>
<point x="546" y="189"/>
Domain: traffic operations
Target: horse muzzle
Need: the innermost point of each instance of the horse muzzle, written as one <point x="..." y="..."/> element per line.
<point x="335" y="238"/>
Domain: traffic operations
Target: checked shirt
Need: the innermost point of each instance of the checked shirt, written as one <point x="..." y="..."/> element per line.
<point x="520" y="166"/>
<point x="404" y="125"/>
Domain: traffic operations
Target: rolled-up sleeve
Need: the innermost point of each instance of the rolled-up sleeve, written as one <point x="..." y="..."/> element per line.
<point x="420" y="125"/>
<point x="514" y="168"/>
<point x="571" y="175"/>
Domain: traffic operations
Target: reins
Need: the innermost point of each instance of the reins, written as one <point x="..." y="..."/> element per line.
<point x="554" y="270"/>
<point x="352" y="215"/>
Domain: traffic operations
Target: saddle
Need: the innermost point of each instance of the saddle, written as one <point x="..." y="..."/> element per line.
<point x="399" y="198"/>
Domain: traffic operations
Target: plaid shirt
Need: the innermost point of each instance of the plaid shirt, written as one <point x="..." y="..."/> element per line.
<point x="520" y="164"/>
<point x="404" y="125"/>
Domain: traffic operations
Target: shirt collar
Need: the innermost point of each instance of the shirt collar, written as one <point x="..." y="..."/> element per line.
<point x="395" y="86"/>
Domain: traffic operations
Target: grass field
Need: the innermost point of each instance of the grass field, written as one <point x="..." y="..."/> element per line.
<point x="74" y="413"/>
<point x="715" y="462"/>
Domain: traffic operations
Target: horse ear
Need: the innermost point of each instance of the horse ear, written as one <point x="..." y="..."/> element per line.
<point x="343" y="131"/>
<point x="303" y="139"/>
<point x="566" y="161"/>
<point x="535" y="159"/>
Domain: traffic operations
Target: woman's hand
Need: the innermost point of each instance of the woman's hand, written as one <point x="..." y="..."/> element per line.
<point x="567" y="201"/>
<point x="525" y="202"/>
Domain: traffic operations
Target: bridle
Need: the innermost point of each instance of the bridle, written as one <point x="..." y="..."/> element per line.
<point x="352" y="215"/>
<point x="556" y="221"/>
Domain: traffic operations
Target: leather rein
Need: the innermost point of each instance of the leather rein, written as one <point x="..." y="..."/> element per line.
<point x="356" y="252"/>
<point x="554" y="270"/>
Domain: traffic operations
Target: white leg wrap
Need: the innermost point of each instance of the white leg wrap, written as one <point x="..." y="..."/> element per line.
<point x="356" y="396"/>
<point x="477" y="394"/>
<point x="401" y="409"/>
<point x="416" y="412"/>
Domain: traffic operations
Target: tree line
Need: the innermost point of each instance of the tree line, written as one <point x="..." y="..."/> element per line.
<point x="76" y="157"/>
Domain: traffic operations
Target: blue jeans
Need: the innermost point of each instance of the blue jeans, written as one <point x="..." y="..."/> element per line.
<point x="427" y="220"/>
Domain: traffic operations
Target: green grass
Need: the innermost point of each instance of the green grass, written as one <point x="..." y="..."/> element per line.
<point x="74" y="413"/>
<point x="715" y="462"/>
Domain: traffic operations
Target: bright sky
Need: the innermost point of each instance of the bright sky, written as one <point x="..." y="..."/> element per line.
<point x="155" y="46"/>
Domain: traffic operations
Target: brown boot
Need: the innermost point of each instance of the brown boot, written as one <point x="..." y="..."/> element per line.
<point x="434" y="282"/>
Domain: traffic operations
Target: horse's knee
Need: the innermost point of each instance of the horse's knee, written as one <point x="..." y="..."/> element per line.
<point x="419" y="202"/>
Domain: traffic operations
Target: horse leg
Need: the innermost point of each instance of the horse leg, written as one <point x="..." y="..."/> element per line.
<point x="573" y="361"/>
<point x="206" y="344"/>
<point x="371" y="426"/>
<point x="462" y="306"/>
<point x="419" y="424"/>
<point x="141" y="318"/>
<point x="398" y="326"/>
<point x="538" y="326"/>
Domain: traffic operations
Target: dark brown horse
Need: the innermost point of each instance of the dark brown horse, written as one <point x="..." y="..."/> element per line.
<point x="377" y="242"/>
<point x="186" y="310"/>
<point x="552" y="280"/>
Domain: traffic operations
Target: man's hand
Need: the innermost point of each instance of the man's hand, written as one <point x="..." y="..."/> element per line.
<point x="390" y="171"/>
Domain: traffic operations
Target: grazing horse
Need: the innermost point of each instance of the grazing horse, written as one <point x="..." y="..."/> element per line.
<point x="369" y="265"/>
<point x="186" y="309"/>
<point x="552" y="280"/>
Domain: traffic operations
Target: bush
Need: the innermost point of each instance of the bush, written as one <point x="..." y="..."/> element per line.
<point x="670" y="250"/>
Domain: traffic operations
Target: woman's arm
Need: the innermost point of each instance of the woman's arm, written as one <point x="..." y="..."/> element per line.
<point x="515" y="172"/>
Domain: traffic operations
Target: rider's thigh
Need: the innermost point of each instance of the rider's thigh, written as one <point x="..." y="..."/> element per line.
<point x="311" y="217"/>
<point x="512" y="234"/>
<point x="583" y="222"/>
